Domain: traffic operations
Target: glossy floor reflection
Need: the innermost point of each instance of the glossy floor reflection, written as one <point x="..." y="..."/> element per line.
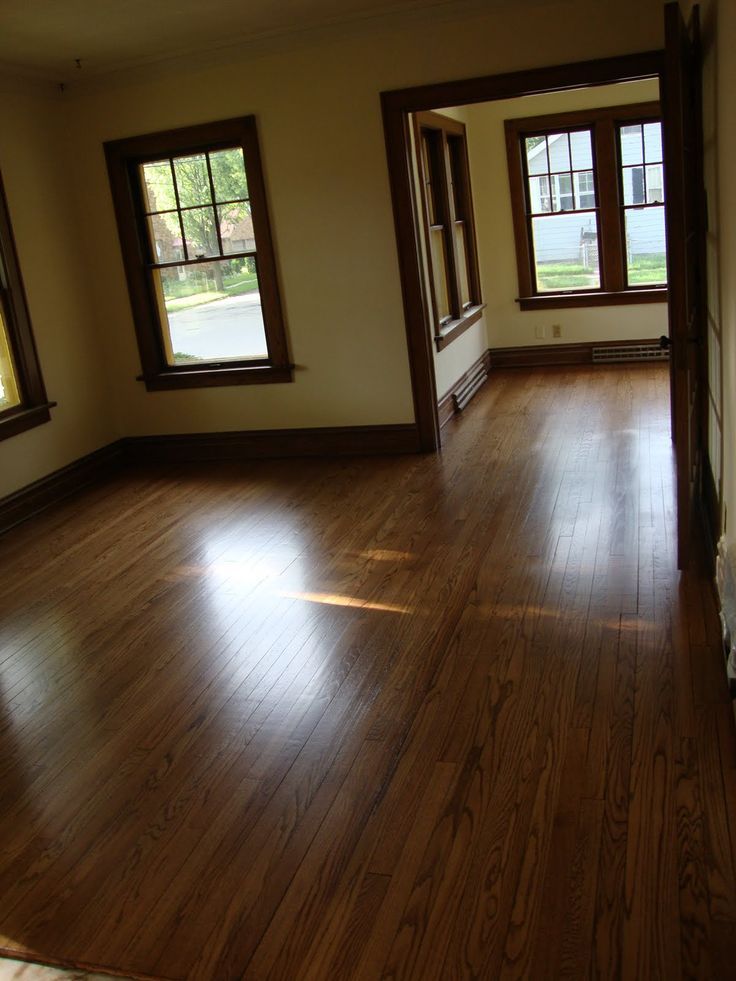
<point x="451" y="716"/>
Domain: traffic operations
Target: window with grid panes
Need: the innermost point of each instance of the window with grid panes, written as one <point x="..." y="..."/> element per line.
<point x="198" y="254"/>
<point x="587" y="191"/>
<point x="448" y="225"/>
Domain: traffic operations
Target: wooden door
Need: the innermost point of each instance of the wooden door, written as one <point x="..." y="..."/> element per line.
<point x="685" y="199"/>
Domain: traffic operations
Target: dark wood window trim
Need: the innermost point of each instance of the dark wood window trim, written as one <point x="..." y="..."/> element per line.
<point x="33" y="408"/>
<point x="447" y="206"/>
<point x="604" y="124"/>
<point x="123" y="160"/>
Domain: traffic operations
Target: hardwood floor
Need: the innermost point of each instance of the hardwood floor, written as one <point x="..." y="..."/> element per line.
<point x="429" y="717"/>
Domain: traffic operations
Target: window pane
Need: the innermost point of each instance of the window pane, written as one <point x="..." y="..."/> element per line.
<point x="9" y="394"/>
<point x="566" y="252"/>
<point x="632" y="150"/>
<point x="633" y="178"/>
<point x="646" y="255"/>
<point x="653" y="142"/>
<point x="200" y="232"/>
<point x="536" y="154"/>
<point x="655" y="185"/>
<point x="562" y="193"/>
<point x="158" y="186"/>
<point x="462" y="265"/>
<point x="540" y="201"/>
<point x="236" y="228"/>
<point x="582" y="151"/>
<point x="192" y="180"/>
<point x="439" y="272"/>
<point x="211" y="311"/>
<point x="165" y="237"/>
<point x="559" y="153"/>
<point x="228" y="174"/>
<point x="585" y="189"/>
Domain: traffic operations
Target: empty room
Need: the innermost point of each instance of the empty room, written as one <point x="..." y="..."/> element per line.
<point x="367" y="407"/>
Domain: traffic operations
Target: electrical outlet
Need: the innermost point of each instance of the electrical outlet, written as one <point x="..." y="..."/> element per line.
<point x="556" y="330"/>
<point x="540" y="332"/>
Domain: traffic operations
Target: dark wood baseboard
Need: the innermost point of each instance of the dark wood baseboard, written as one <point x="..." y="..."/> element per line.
<point x="35" y="497"/>
<point x="273" y="443"/>
<point x="555" y="354"/>
<point x="249" y="445"/>
<point x="467" y="385"/>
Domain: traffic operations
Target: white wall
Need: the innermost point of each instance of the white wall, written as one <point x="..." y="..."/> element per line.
<point x="507" y="325"/>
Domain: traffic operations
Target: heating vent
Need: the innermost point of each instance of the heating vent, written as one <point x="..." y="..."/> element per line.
<point x="630" y="352"/>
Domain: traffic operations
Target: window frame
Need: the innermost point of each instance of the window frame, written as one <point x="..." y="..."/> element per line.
<point x="34" y="407"/>
<point x="124" y="158"/>
<point x="604" y="124"/>
<point x="450" y="160"/>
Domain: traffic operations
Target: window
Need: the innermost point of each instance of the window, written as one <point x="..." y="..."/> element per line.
<point x="448" y="224"/>
<point x="587" y="194"/>
<point x="198" y="255"/>
<point x="23" y="402"/>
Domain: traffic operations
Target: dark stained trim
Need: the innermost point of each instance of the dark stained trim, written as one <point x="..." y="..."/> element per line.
<point x="396" y="106"/>
<point x="56" y="486"/>
<point x="34" y="404"/>
<point x="555" y="354"/>
<point x="273" y="443"/>
<point x="563" y="301"/>
<point x="603" y="124"/>
<point x="123" y="158"/>
<point x="248" y="445"/>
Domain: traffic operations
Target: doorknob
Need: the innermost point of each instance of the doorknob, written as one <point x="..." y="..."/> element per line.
<point x="664" y="342"/>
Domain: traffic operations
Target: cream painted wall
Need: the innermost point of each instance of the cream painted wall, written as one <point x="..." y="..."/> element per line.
<point x="49" y="248"/>
<point x="318" y="109"/>
<point x="508" y="326"/>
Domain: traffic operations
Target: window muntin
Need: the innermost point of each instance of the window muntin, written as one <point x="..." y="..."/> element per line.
<point x="449" y="224"/>
<point x="198" y="254"/>
<point x="567" y="187"/>
<point x="197" y="207"/>
<point x="642" y="181"/>
<point x="560" y="185"/>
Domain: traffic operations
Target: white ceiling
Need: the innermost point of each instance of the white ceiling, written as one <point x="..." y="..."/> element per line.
<point x="43" y="38"/>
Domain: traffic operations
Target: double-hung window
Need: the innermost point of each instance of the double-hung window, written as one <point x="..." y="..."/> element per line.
<point x="23" y="402"/>
<point x="198" y="254"/>
<point x="449" y="225"/>
<point x="587" y="195"/>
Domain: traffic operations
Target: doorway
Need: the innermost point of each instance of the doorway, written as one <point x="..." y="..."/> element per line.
<point x="399" y="106"/>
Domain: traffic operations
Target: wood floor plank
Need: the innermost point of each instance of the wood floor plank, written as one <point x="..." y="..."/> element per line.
<point x="432" y="717"/>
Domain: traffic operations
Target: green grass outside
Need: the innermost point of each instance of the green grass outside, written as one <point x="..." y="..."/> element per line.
<point x="244" y="284"/>
<point x="644" y="270"/>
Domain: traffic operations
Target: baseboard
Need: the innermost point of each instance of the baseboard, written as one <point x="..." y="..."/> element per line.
<point x="464" y="389"/>
<point x="555" y="354"/>
<point x="273" y="443"/>
<point x="41" y="494"/>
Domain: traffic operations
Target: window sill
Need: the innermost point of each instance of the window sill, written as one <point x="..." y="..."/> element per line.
<point x="452" y="330"/>
<point x="212" y="378"/>
<point x="19" y="420"/>
<point x="557" y="301"/>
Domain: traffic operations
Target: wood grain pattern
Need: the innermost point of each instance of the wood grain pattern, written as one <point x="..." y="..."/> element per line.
<point x="414" y="717"/>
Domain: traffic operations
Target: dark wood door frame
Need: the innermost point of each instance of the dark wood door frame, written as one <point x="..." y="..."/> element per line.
<point x="396" y="106"/>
